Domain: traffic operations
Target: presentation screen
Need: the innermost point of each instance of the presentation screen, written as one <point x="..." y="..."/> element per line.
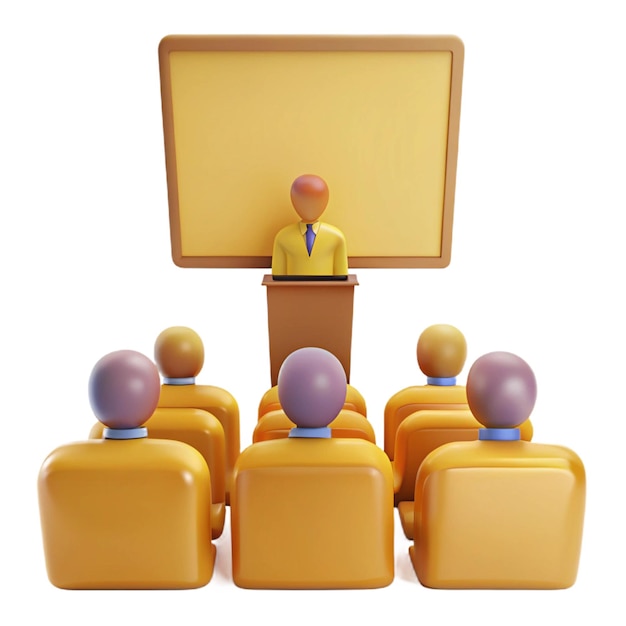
<point x="377" y="117"/>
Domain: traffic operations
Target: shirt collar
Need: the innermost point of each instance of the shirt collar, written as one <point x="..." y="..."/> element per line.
<point x="302" y="225"/>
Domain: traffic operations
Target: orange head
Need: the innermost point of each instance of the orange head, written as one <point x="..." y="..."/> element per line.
<point x="441" y="351"/>
<point x="309" y="196"/>
<point x="179" y="352"/>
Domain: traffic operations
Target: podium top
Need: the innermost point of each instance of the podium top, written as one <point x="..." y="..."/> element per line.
<point x="351" y="281"/>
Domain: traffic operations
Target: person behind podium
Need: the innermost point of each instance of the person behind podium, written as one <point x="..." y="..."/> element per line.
<point x="309" y="248"/>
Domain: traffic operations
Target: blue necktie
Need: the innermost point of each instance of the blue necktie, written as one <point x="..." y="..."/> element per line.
<point x="309" y="238"/>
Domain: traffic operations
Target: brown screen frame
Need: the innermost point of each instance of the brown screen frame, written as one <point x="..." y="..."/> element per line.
<point x="312" y="43"/>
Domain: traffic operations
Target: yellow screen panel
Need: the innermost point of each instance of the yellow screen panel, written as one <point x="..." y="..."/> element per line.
<point x="376" y="117"/>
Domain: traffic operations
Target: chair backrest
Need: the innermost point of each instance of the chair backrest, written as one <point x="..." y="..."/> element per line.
<point x="498" y="514"/>
<point x="201" y="430"/>
<point x="348" y="424"/>
<point x="216" y="401"/>
<point x="312" y="513"/>
<point x="418" y="398"/>
<point x="128" y="514"/>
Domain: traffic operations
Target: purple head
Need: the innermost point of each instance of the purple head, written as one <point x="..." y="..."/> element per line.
<point x="124" y="389"/>
<point x="312" y="387"/>
<point x="501" y="390"/>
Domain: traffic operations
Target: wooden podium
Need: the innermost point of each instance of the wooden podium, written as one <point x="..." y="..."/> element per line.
<point x="304" y="313"/>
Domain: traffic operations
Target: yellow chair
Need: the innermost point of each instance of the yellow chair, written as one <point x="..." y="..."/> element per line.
<point x="348" y="424"/>
<point x="418" y="398"/>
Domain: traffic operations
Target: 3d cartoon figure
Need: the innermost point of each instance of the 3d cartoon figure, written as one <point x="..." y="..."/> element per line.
<point x="125" y="511"/>
<point x="311" y="511"/>
<point x="179" y="354"/>
<point x="309" y="247"/>
<point x="441" y="353"/>
<point x="499" y="513"/>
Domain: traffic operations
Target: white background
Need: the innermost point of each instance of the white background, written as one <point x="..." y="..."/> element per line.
<point x="536" y="269"/>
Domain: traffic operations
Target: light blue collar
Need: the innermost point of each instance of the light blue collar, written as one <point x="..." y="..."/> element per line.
<point x="310" y="433"/>
<point x="499" y="434"/>
<point x="125" y="433"/>
<point x="442" y="382"/>
<point x="190" y="380"/>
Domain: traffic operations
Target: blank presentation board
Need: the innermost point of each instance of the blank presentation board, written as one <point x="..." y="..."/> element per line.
<point x="377" y="117"/>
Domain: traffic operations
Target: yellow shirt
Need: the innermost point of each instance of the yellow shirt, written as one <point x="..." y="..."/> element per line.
<point x="328" y="255"/>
